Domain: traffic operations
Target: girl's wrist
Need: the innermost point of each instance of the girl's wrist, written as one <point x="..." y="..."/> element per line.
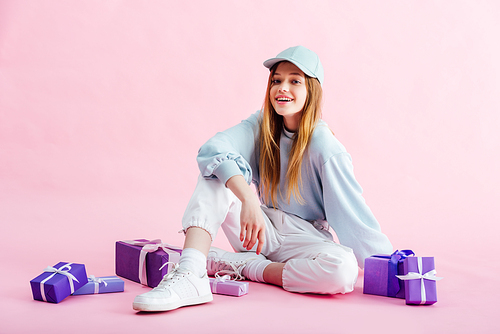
<point x="249" y="197"/>
<point x="241" y="189"/>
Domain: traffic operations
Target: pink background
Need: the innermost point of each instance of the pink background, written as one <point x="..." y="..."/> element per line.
<point x="104" y="104"/>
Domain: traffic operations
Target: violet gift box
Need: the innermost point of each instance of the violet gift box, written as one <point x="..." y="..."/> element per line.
<point x="128" y="260"/>
<point x="58" y="282"/>
<point x="228" y="287"/>
<point x="380" y="274"/>
<point x="105" y="284"/>
<point x="420" y="280"/>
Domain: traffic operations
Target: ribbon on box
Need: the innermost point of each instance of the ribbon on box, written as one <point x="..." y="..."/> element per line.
<point x="430" y="275"/>
<point x="219" y="279"/>
<point x="63" y="270"/>
<point x="151" y="247"/>
<point x="97" y="282"/>
<point x="394" y="258"/>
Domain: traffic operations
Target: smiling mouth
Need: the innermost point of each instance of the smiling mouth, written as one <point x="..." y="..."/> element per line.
<point x="283" y="99"/>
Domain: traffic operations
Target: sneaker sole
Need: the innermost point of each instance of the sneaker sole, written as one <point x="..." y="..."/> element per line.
<point x="172" y="306"/>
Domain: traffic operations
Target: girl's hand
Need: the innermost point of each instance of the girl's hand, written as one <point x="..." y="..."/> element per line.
<point x="252" y="225"/>
<point x="251" y="218"/>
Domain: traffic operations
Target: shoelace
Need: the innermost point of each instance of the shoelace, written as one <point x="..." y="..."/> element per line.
<point x="174" y="275"/>
<point x="218" y="266"/>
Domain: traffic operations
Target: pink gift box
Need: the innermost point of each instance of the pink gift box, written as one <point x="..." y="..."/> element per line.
<point x="228" y="287"/>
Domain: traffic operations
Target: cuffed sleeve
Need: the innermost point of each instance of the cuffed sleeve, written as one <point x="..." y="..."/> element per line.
<point x="231" y="152"/>
<point x="229" y="168"/>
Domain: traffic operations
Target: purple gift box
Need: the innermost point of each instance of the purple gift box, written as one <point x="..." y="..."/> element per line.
<point x="380" y="274"/>
<point x="228" y="287"/>
<point x="419" y="276"/>
<point x="58" y="282"/>
<point x="103" y="284"/>
<point x="145" y="261"/>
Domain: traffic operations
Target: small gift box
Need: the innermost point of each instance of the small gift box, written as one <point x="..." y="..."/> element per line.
<point x="58" y="282"/>
<point x="145" y="261"/>
<point x="380" y="274"/>
<point x="419" y="276"/>
<point x="225" y="286"/>
<point x="104" y="284"/>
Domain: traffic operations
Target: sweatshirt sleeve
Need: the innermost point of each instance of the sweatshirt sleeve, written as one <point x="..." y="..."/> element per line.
<point x="231" y="152"/>
<point x="347" y="212"/>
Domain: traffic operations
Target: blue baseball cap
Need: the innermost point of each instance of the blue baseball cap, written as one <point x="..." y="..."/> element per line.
<point x="303" y="58"/>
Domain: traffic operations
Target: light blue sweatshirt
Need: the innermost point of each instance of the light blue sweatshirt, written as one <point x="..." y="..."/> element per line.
<point x="329" y="187"/>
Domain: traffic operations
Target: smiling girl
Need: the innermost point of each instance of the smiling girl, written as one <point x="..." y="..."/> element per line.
<point x="305" y="183"/>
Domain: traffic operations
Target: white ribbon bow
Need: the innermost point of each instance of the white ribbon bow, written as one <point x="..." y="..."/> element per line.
<point x="430" y="275"/>
<point x="222" y="278"/>
<point x="151" y="247"/>
<point x="219" y="279"/>
<point x="61" y="271"/>
<point x="97" y="281"/>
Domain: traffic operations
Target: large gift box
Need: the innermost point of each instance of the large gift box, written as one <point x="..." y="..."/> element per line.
<point x="58" y="282"/>
<point x="225" y="286"/>
<point x="380" y="274"/>
<point x="103" y="284"/>
<point x="145" y="261"/>
<point x="419" y="276"/>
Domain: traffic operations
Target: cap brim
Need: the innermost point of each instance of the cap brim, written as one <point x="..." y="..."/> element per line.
<point x="272" y="61"/>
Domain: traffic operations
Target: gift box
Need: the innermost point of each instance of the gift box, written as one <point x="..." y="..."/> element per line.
<point x="58" y="282"/>
<point x="419" y="276"/>
<point x="380" y="274"/>
<point x="225" y="286"/>
<point x="145" y="261"/>
<point x="103" y="284"/>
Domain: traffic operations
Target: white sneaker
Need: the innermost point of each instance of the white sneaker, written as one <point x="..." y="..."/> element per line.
<point x="221" y="262"/>
<point x="178" y="288"/>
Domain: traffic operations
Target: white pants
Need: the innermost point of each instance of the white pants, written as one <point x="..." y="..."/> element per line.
<point x="313" y="262"/>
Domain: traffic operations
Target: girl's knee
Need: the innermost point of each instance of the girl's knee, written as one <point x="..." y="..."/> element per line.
<point x="337" y="274"/>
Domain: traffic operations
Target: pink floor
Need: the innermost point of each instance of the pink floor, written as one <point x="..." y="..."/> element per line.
<point x="104" y="104"/>
<point x="467" y="294"/>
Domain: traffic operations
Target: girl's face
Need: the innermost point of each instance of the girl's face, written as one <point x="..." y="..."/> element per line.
<point x="288" y="93"/>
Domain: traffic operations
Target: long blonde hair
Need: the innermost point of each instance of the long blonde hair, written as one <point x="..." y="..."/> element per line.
<point x="271" y="128"/>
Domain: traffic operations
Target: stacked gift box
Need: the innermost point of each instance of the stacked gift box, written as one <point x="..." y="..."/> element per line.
<point x="402" y="275"/>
